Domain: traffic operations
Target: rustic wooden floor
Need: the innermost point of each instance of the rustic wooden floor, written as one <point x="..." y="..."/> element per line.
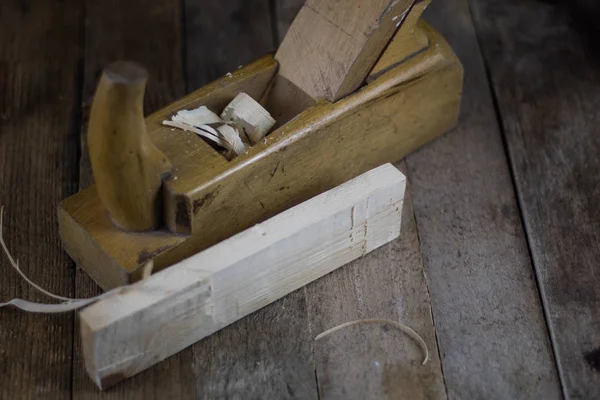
<point x="497" y="266"/>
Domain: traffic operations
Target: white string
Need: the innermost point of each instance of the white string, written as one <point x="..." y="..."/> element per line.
<point x="404" y="328"/>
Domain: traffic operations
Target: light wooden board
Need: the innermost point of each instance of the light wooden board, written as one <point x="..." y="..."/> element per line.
<point x="142" y="324"/>
<point x="548" y="101"/>
<point x="486" y="307"/>
<point x="154" y="40"/>
<point x="331" y="45"/>
<point x="39" y="61"/>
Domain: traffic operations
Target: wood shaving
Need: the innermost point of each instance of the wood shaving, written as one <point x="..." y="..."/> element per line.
<point x="404" y="328"/>
<point x="242" y="122"/>
<point x="147" y="269"/>
<point x="15" y="264"/>
<point x="196" y="117"/>
<point x="232" y="137"/>
<point x="66" y="304"/>
<point x="204" y="133"/>
<point x="248" y="114"/>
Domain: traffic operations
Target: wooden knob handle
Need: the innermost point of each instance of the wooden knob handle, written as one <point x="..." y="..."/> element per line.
<point x="127" y="166"/>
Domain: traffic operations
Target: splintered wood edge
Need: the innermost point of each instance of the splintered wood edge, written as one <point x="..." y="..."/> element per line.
<point x="149" y="321"/>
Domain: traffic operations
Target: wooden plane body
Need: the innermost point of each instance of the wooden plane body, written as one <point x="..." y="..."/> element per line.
<point x="411" y="97"/>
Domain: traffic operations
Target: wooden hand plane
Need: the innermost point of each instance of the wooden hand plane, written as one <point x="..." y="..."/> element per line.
<point x="353" y="85"/>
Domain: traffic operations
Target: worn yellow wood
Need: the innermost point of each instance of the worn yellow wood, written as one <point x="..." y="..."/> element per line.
<point x="410" y="39"/>
<point x="210" y="199"/>
<point x="332" y="45"/>
<point x="111" y="255"/>
<point x="128" y="168"/>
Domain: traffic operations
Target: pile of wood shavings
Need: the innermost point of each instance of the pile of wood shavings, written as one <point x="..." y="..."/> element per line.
<point x="242" y="123"/>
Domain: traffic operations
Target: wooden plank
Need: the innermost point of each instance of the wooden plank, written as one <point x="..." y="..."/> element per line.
<point x="222" y="35"/>
<point x="490" y="325"/>
<point x="375" y="362"/>
<point x="267" y="354"/>
<point x="331" y="46"/>
<point x="39" y="53"/>
<point x="548" y="104"/>
<point x="144" y="323"/>
<point x="153" y="40"/>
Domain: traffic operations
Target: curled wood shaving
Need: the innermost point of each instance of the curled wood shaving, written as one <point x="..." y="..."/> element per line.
<point x="250" y="116"/>
<point x="43" y="308"/>
<point x="199" y="116"/>
<point x="66" y="304"/>
<point x="202" y="131"/>
<point x="404" y="328"/>
<point x="242" y="122"/>
<point x="232" y="136"/>
<point x="198" y="120"/>
<point x="15" y="265"/>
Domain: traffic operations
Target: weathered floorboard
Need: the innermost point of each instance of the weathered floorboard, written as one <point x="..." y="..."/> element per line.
<point x="372" y="361"/>
<point x="39" y="53"/>
<point x="491" y="329"/>
<point x="376" y="361"/>
<point x="544" y="65"/>
<point x="148" y="32"/>
<point x="221" y="35"/>
<point x="267" y="354"/>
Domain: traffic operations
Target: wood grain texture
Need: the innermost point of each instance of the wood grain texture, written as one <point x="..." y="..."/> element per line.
<point x="331" y="46"/>
<point x="548" y="101"/>
<point x="140" y="325"/>
<point x="491" y="329"/>
<point x="376" y="361"/>
<point x="265" y="355"/>
<point x="147" y="32"/>
<point x="222" y="35"/>
<point x="39" y="65"/>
